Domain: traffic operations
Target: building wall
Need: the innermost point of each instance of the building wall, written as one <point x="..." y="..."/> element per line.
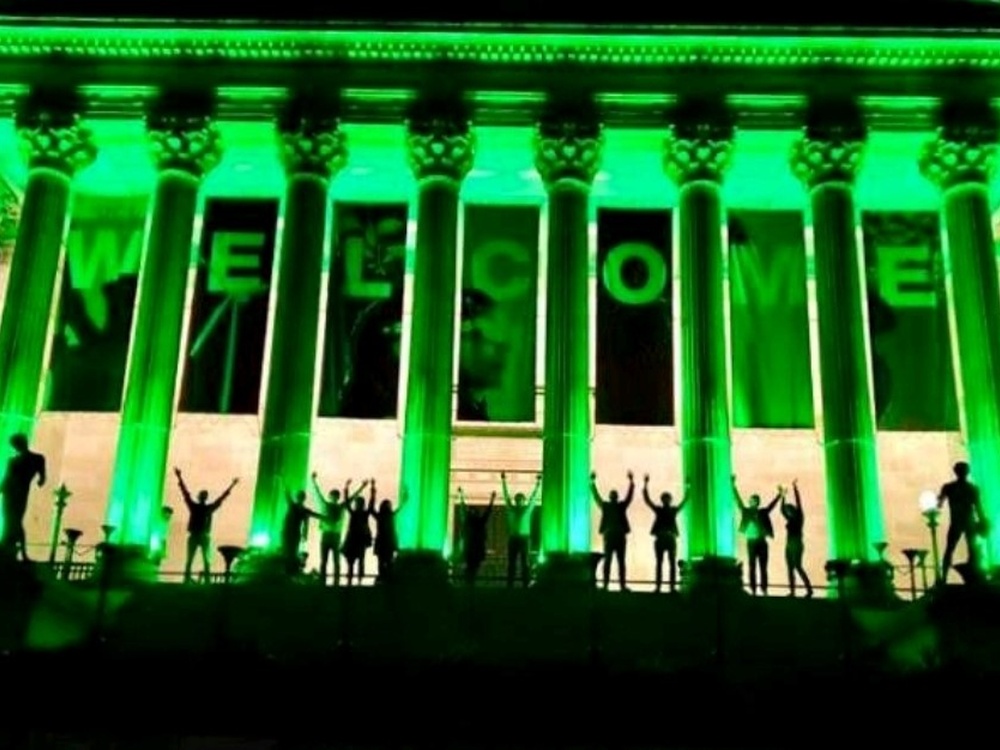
<point x="213" y="449"/>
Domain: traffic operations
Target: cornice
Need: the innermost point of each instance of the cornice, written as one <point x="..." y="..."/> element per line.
<point x="743" y="47"/>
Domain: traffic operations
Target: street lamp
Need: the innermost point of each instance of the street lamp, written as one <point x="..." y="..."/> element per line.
<point x="913" y="556"/>
<point x="931" y="513"/>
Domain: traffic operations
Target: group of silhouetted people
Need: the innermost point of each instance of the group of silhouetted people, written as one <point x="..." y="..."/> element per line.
<point x="345" y="524"/>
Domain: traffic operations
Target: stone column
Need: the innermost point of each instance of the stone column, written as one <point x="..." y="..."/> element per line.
<point x="312" y="150"/>
<point x="185" y="145"/>
<point x="440" y="148"/>
<point x="56" y="145"/>
<point x="567" y="156"/>
<point x="696" y="156"/>
<point x="826" y="159"/>
<point x="961" y="160"/>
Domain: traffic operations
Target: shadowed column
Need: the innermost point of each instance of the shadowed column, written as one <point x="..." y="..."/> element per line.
<point x="312" y="151"/>
<point x="56" y="145"/>
<point x="185" y="145"/>
<point x="826" y="159"/>
<point x="696" y="156"/>
<point x="962" y="161"/>
<point x="567" y="156"/>
<point x="440" y="150"/>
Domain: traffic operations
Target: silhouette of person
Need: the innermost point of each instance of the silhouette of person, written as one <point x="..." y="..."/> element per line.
<point x="359" y="535"/>
<point x="370" y="391"/>
<point x="614" y="527"/>
<point x="294" y="528"/>
<point x="966" y="516"/>
<point x="386" y="539"/>
<point x="199" y="528"/>
<point x="665" y="531"/>
<point x="333" y="510"/>
<point x="474" y="524"/>
<point x="23" y="467"/>
<point x="519" y="510"/>
<point x="756" y="528"/>
<point x="795" y="548"/>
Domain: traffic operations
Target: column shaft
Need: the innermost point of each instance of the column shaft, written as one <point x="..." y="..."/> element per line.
<point x="56" y="145"/>
<point x="566" y="503"/>
<point x="704" y="423"/>
<point x="974" y="306"/>
<point x="849" y="447"/>
<point x="154" y="355"/>
<point x="426" y="462"/>
<point x="289" y="406"/>
<point x="24" y="327"/>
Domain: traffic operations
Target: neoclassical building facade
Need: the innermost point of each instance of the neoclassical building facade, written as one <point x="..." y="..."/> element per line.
<point x="680" y="101"/>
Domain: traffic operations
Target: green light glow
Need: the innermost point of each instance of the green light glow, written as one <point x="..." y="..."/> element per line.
<point x="974" y="309"/>
<point x="154" y="359"/>
<point x="845" y="396"/>
<point x="148" y="41"/>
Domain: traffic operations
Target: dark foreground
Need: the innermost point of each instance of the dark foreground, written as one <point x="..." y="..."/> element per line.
<point x="303" y="667"/>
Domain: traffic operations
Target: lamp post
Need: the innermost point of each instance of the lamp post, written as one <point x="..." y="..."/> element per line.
<point x="931" y="513"/>
<point x="911" y="556"/>
<point x="62" y="494"/>
<point x="922" y="564"/>
<point x="72" y="537"/>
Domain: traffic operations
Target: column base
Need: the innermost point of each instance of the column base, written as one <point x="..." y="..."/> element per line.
<point x="420" y="568"/>
<point x="721" y="575"/>
<point x="125" y="564"/>
<point x="866" y="583"/>
<point x="568" y="569"/>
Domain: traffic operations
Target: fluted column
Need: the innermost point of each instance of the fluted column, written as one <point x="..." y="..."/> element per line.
<point x="184" y="145"/>
<point x="440" y="151"/>
<point x="567" y="156"/>
<point x="961" y="160"/>
<point x="696" y="156"/>
<point x="826" y="159"/>
<point x="56" y="144"/>
<point x="312" y="150"/>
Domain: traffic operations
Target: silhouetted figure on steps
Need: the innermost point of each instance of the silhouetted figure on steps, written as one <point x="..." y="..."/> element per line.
<point x="333" y="511"/>
<point x="614" y="527"/>
<point x="967" y="517"/>
<point x="665" y="531"/>
<point x="386" y="539"/>
<point x="756" y="527"/>
<point x="519" y="510"/>
<point x="293" y="530"/>
<point x="474" y="525"/>
<point x="199" y="528"/>
<point x="22" y="469"/>
<point x="359" y="536"/>
<point x="795" y="547"/>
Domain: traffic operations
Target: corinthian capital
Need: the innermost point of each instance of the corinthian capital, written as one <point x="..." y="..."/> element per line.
<point x="568" y="149"/>
<point x="828" y="154"/>
<point x="960" y="153"/>
<point x="184" y="137"/>
<point x="53" y="135"/>
<point x="440" y="147"/>
<point x="312" y="145"/>
<point x="694" y="151"/>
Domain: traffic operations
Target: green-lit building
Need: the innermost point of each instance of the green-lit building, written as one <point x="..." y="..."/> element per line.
<point x="763" y="219"/>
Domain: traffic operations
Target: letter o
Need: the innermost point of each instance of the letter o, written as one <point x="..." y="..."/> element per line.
<point x="614" y="279"/>
<point x="510" y="286"/>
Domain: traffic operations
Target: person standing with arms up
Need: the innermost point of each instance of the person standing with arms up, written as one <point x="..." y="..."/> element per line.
<point x="665" y="531"/>
<point x="757" y="529"/>
<point x="614" y="527"/>
<point x="200" y="513"/>
<point x="474" y="524"/>
<point x="519" y="515"/>
<point x="333" y="511"/>
<point x="795" y="546"/>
